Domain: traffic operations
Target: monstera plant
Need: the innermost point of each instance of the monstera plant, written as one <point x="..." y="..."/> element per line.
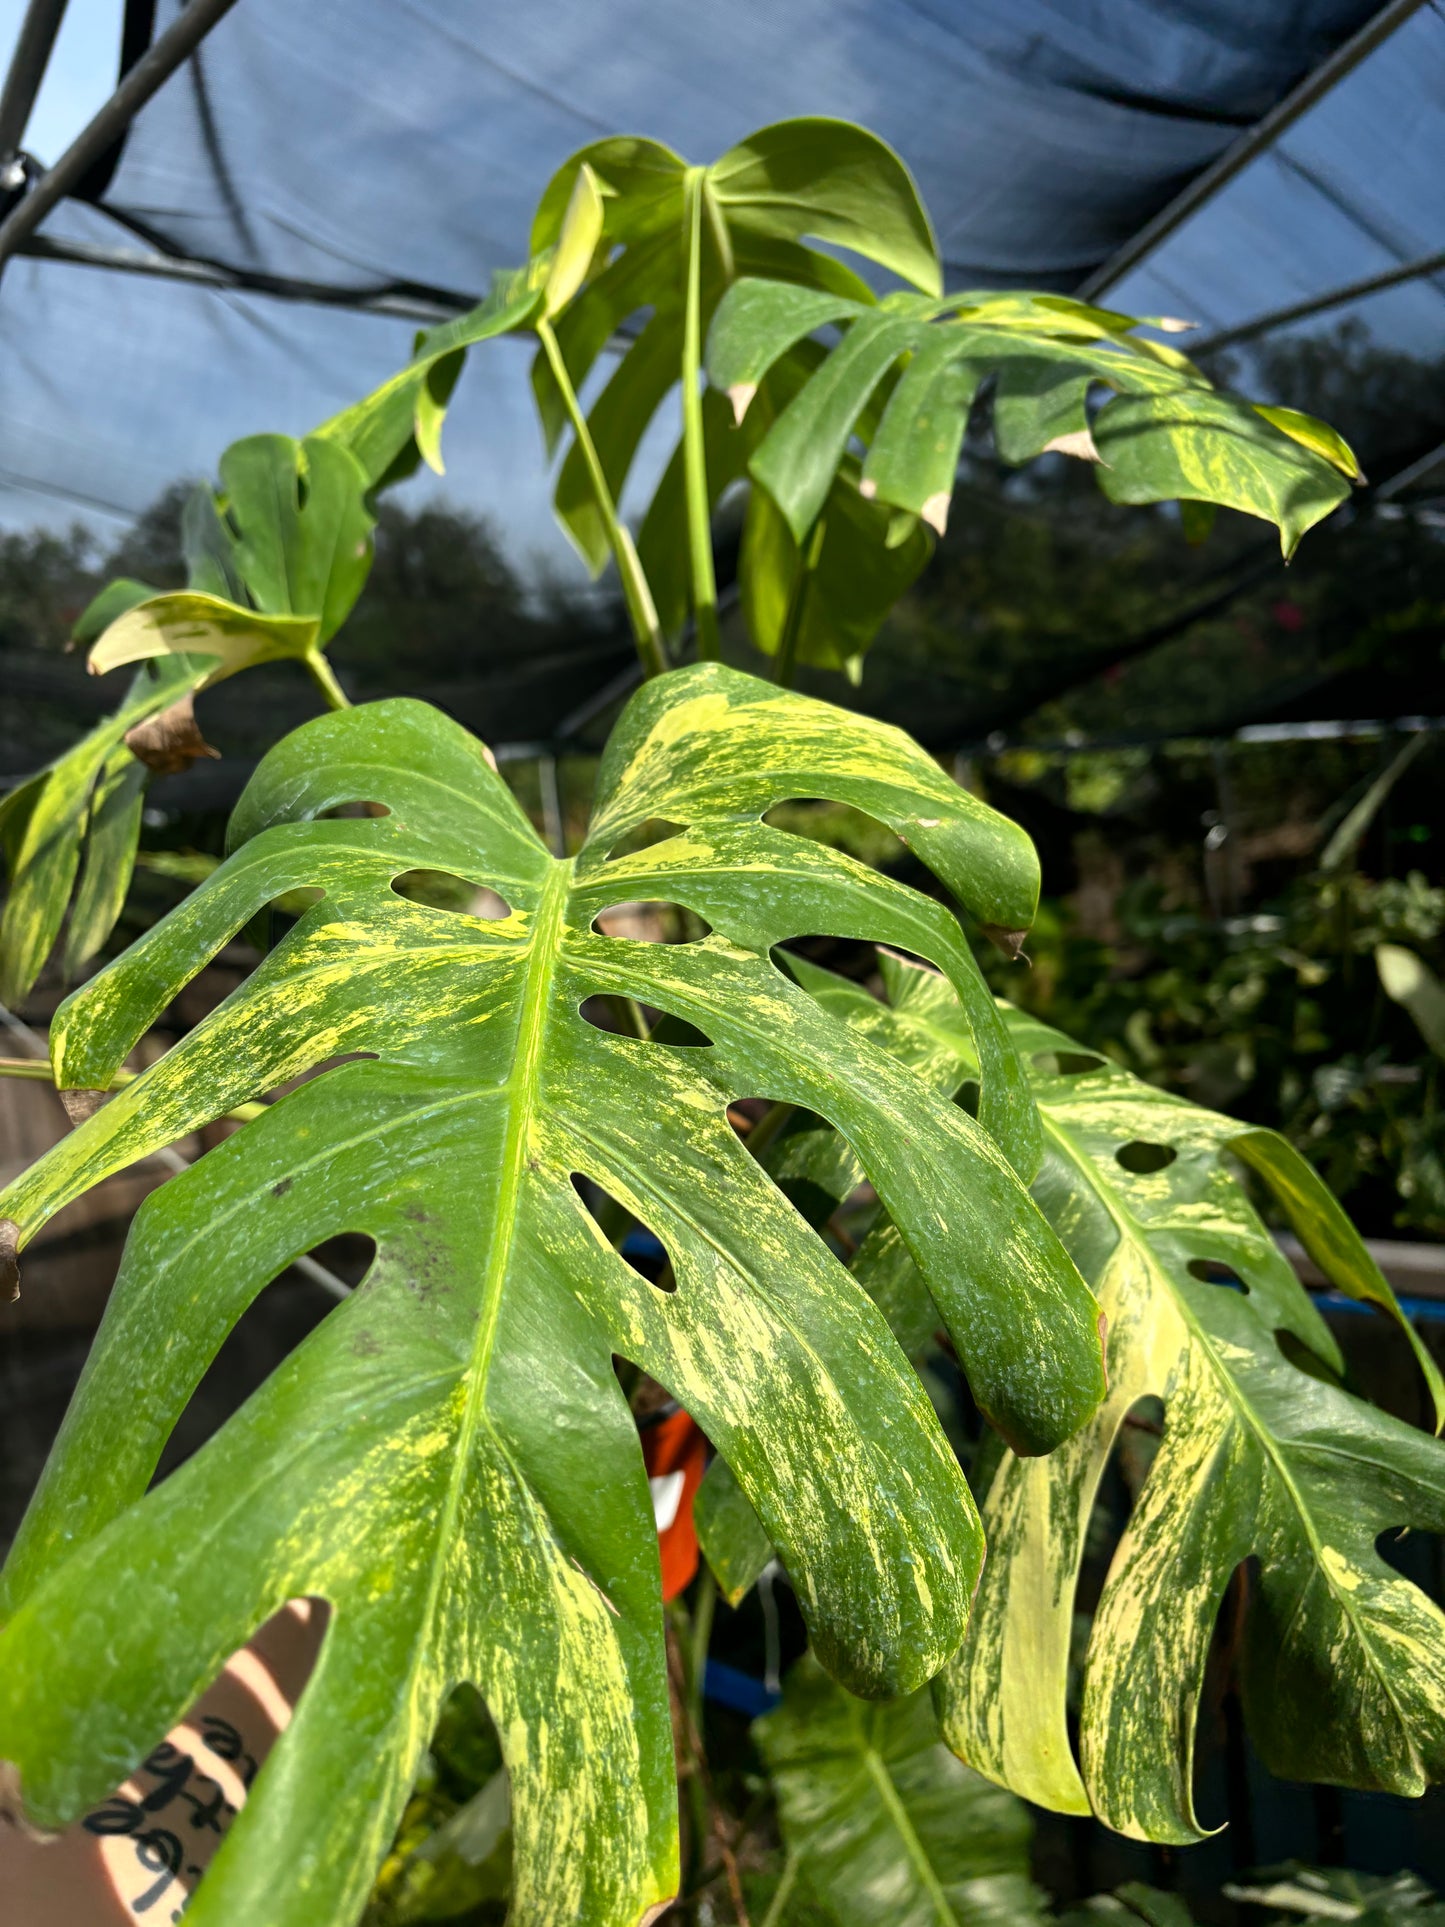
<point x="450" y="1460"/>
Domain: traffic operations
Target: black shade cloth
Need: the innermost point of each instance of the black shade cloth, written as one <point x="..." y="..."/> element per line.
<point x="357" y="142"/>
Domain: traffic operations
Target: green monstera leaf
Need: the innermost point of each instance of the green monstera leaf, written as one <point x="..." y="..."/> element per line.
<point x="1165" y="434"/>
<point x="275" y="562"/>
<point x="274" y="565"/>
<point x="672" y="239"/>
<point x="448" y="1459"/>
<point x="821" y="605"/>
<point x="886" y="1827"/>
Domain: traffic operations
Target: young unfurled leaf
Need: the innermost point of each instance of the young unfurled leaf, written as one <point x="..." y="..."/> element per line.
<point x="275" y="564"/>
<point x="889" y="1829"/>
<point x="293" y="532"/>
<point x="186" y="624"/>
<point x="448" y="1458"/>
<point x="399" y="424"/>
<point x="576" y="243"/>
<point x="1167" y="435"/>
<point x="761" y="201"/>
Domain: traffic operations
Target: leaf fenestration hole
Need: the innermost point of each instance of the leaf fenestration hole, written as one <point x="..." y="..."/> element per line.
<point x="323" y="1069"/>
<point x="967" y="1095"/>
<point x="651" y="922"/>
<point x="1067" y="1063"/>
<point x="1144" y="1159"/>
<point x="1128" y="1465"/>
<point x="235" y="1721"/>
<point x="642" y="836"/>
<point x="838" y="826"/>
<point x="623" y="1017"/>
<point x="811" y="1164"/>
<point x="676" y="1033"/>
<point x="470" y="1788"/>
<point x="1414" y="1554"/>
<point x="1304" y="1360"/>
<point x="278" y="1318"/>
<point x="359" y="807"/>
<point x="1210" y="1271"/>
<point x="634" y="1241"/>
<point x="440" y="890"/>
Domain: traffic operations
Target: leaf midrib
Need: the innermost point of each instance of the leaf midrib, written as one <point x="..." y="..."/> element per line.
<point x="1130" y="1227"/>
<point x="913" y="1846"/>
<point x="520" y="1086"/>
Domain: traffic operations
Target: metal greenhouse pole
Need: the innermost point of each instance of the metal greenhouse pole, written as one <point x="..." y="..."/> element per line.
<point x="22" y="83"/>
<point x="1260" y="137"/>
<point x="149" y="73"/>
<point x="1427" y="264"/>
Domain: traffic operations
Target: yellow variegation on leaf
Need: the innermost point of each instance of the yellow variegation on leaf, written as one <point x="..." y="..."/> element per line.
<point x="448" y="1459"/>
<point x="1263" y="1457"/>
<point x="1163" y="433"/>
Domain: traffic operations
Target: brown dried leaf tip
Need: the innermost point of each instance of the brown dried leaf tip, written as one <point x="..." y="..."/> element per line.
<point x="9" y="1278"/>
<point x="79" y="1105"/>
<point x="1010" y="942"/>
<point x="170" y="742"/>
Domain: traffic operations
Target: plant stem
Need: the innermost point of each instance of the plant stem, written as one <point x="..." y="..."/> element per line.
<point x="768" y="1126"/>
<point x="27" y="1067"/>
<point x="325" y="680"/>
<point x="702" y="1619"/>
<point x="683" y="1643"/>
<point x="646" y="630"/>
<point x="797" y="603"/>
<point x="694" y="443"/>
<point x="34" y="1070"/>
<point x="783" y="1892"/>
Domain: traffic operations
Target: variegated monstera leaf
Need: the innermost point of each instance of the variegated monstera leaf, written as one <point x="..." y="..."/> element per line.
<point x="448" y="1458"/>
<point x="274" y="564"/>
<point x="1260" y="1457"/>
<point x="69" y="834"/>
<point x="1165" y="433"/>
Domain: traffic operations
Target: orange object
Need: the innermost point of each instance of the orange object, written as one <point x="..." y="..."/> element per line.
<point x="674" y="1451"/>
